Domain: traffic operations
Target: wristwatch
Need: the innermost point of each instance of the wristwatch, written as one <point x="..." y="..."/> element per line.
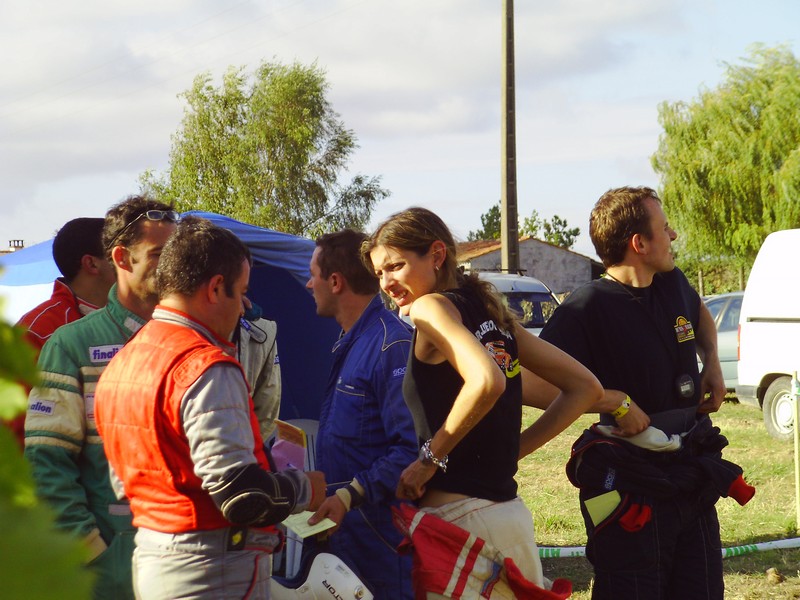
<point x="427" y="458"/>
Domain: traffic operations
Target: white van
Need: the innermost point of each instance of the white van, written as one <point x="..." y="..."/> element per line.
<point x="769" y="332"/>
<point x="528" y="297"/>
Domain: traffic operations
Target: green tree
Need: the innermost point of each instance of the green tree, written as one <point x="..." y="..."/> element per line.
<point x="490" y="226"/>
<point x="266" y="149"/>
<point x="533" y="225"/>
<point x="37" y="560"/>
<point x="730" y="160"/>
<point x="556" y="231"/>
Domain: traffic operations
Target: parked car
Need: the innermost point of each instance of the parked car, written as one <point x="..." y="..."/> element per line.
<point x="769" y="328"/>
<point x="725" y="309"/>
<point x="528" y="297"/>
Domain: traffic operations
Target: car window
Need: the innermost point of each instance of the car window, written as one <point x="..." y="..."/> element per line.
<point x="714" y="306"/>
<point x="730" y="319"/>
<point x="533" y="308"/>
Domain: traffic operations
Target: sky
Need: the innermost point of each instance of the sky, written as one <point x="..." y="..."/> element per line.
<point x="90" y="93"/>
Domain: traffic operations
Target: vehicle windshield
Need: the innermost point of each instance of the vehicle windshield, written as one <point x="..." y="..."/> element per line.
<point x="715" y="305"/>
<point x="533" y="308"/>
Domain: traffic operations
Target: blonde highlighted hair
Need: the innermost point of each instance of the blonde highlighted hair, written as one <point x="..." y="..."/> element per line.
<point x="416" y="229"/>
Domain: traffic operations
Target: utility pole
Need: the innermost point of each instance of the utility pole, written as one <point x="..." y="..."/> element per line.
<point x="509" y="222"/>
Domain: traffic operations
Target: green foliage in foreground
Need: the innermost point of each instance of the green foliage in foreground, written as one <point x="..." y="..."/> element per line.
<point x="37" y="561"/>
<point x="768" y="464"/>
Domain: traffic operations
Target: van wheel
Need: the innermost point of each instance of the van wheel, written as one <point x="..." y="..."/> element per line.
<point x="779" y="410"/>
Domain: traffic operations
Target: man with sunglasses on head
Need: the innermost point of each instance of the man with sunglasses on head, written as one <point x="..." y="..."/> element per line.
<point x="61" y="439"/>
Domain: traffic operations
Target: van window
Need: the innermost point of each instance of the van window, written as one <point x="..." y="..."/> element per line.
<point x="533" y="308"/>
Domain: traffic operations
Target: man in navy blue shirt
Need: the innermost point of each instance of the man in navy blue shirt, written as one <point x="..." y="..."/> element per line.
<point x="639" y="329"/>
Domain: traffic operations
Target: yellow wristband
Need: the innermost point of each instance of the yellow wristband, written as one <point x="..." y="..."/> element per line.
<point x="623" y="408"/>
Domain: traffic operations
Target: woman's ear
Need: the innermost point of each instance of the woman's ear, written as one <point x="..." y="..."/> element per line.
<point x="438" y="251"/>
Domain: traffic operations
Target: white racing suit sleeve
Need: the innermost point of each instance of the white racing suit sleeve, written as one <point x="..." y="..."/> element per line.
<point x="116" y="483"/>
<point x="216" y="420"/>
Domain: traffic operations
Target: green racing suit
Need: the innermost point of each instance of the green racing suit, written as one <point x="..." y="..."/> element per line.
<point x="65" y="450"/>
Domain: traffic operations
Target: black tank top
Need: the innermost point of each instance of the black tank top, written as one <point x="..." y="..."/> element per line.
<point x="484" y="463"/>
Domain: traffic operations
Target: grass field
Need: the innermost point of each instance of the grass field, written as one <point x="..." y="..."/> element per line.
<point x="770" y="515"/>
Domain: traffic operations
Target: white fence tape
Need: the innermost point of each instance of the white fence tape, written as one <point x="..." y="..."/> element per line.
<point x="573" y="551"/>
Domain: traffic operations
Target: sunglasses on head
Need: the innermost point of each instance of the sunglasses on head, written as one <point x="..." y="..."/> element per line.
<point x="151" y="215"/>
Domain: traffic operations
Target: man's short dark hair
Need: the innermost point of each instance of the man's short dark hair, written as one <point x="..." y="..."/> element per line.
<point x="73" y="241"/>
<point x="124" y="215"/>
<point x="340" y="252"/>
<point x="619" y="214"/>
<point x="196" y="252"/>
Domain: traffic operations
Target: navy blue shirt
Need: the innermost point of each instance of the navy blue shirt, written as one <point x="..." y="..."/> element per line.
<point x="637" y="340"/>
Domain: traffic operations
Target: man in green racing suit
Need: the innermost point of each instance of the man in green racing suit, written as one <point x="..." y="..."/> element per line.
<point x="61" y="439"/>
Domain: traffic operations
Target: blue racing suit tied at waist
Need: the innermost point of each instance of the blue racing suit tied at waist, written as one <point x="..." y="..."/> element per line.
<point x="605" y="463"/>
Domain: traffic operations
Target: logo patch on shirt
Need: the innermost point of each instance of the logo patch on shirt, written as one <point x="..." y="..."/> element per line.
<point x="611" y="475"/>
<point x="103" y="354"/>
<point x="497" y="350"/>
<point x="487" y="327"/>
<point x="683" y="330"/>
<point x="43" y="407"/>
<point x="399" y="372"/>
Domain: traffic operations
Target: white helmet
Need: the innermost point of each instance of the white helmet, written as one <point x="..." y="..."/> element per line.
<point x="328" y="579"/>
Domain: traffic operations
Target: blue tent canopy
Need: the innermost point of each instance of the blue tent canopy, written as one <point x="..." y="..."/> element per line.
<point x="29" y="266"/>
<point x="277" y="284"/>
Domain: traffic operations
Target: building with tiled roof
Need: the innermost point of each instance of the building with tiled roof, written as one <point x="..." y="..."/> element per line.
<point x="562" y="270"/>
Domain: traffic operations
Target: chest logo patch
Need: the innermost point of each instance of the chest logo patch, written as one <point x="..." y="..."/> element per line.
<point x="42" y="407"/>
<point x="103" y="354"/>
<point x="683" y="330"/>
<point x="497" y="350"/>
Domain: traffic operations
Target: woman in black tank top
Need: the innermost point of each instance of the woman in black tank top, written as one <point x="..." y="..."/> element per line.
<point x="463" y="381"/>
